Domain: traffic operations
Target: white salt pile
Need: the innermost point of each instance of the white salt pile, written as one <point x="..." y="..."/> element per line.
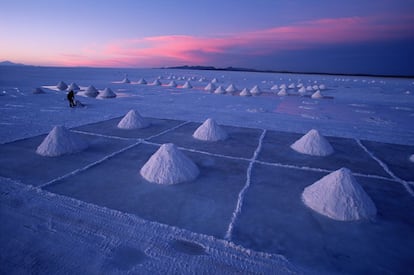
<point x="61" y="141"/>
<point x="231" y="88"/>
<point x="283" y="86"/>
<point x="126" y="79"/>
<point x="322" y="87"/>
<point x="291" y="86"/>
<point x="91" y="91"/>
<point x="274" y="87"/>
<point x="317" y="95"/>
<point x="315" y="87"/>
<point x="187" y="85"/>
<point x="169" y="166"/>
<point x="107" y="93"/>
<point x="219" y="90"/>
<point x="302" y="90"/>
<point x="38" y="91"/>
<point x="172" y="84"/>
<point x="210" y="131"/>
<point x="314" y="144"/>
<point x="282" y="92"/>
<point x="210" y="87"/>
<point x="309" y="88"/>
<point x="142" y="81"/>
<point x="411" y="158"/>
<point x="245" y="92"/>
<point x="340" y="197"/>
<point x="255" y="90"/>
<point x="62" y="86"/>
<point x="156" y="82"/>
<point x="133" y="120"/>
<point x="73" y="86"/>
<point x="215" y="80"/>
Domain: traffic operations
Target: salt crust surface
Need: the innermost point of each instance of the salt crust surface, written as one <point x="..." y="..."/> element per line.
<point x="340" y="197"/>
<point x="133" y="120"/>
<point x="168" y="165"/>
<point x="210" y="131"/>
<point x="61" y="141"/>
<point x="314" y="144"/>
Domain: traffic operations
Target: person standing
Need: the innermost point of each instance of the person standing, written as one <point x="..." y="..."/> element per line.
<point x="71" y="98"/>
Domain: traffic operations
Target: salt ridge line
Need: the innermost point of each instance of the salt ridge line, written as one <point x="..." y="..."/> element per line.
<point x="386" y="169"/>
<point x="105" y="136"/>
<point x="242" y="193"/>
<point x="77" y="171"/>
<point x="168" y="130"/>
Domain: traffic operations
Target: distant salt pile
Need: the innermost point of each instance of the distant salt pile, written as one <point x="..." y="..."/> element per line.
<point x="291" y="86"/>
<point x="302" y="90"/>
<point x="210" y="131"/>
<point x="340" y="197"/>
<point x="187" y="85"/>
<point x="300" y="85"/>
<point x="274" y="88"/>
<point x="73" y="87"/>
<point x="314" y="144"/>
<point x="126" y="80"/>
<point x="245" y="92"/>
<point x="133" y="120"/>
<point x="156" y="82"/>
<point x="169" y="166"/>
<point x="61" y="141"/>
<point x="210" y="87"/>
<point x="107" y="93"/>
<point x="91" y="91"/>
<point x="219" y="90"/>
<point x="317" y="94"/>
<point x="322" y="87"/>
<point x="411" y="158"/>
<point x="255" y="90"/>
<point x="283" y="86"/>
<point x="172" y="84"/>
<point x="62" y="86"/>
<point x="231" y="88"/>
<point x="282" y="92"/>
<point x="142" y="81"/>
<point x="215" y="80"/>
<point x="315" y="87"/>
<point x="38" y="91"/>
<point x="309" y="88"/>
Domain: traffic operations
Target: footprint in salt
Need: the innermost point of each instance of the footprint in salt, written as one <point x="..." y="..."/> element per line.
<point x="188" y="247"/>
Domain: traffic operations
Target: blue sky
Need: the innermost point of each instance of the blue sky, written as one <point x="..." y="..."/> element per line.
<point x="320" y="36"/>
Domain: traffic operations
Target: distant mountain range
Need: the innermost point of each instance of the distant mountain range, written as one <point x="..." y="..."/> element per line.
<point x="9" y="63"/>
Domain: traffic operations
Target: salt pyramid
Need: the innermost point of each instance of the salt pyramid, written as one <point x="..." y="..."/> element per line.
<point x="283" y="86"/>
<point x="219" y="90"/>
<point x="411" y="158"/>
<point x="317" y="94"/>
<point x="142" y="81"/>
<point x="322" y="87"/>
<point x="291" y="86"/>
<point x="169" y="166"/>
<point x="38" y="91"/>
<point x="91" y="91"/>
<point x="245" y="92"/>
<point x="73" y="87"/>
<point x="215" y="80"/>
<point x="61" y="141"/>
<point x="255" y="90"/>
<point x="133" y="120"/>
<point x="172" y="84"/>
<point x="156" y="82"/>
<point x="231" y="88"/>
<point x="62" y="86"/>
<point x="302" y="90"/>
<point x="210" y="87"/>
<point x="315" y="87"/>
<point x="187" y="85"/>
<point x="126" y="80"/>
<point x="274" y="87"/>
<point x="314" y="144"/>
<point x="107" y="93"/>
<point x="210" y="131"/>
<point x="309" y="88"/>
<point x="339" y="196"/>
<point x="282" y="92"/>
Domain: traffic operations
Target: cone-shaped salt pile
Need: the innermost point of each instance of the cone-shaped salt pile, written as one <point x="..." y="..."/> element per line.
<point x="291" y="86"/>
<point x="62" y="86"/>
<point x="107" y="93"/>
<point x="282" y="92"/>
<point x="142" y="81"/>
<point x="245" y="92"/>
<point x="231" y="88"/>
<point x="309" y="88"/>
<point x="91" y="91"/>
<point x="314" y="144"/>
<point x="38" y="91"/>
<point x="255" y="90"/>
<point x="317" y="94"/>
<point x="339" y="197"/>
<point x="322" y="87"/>
<point x="315" y="87"/>
<point x="73" y="86"/>
<point x="169" y="166"/>
<point x="156" y="82"/>
<point x="210" y="131"/>
<point x="302" y="90"/>
<point x="172" y="84"/>
<point x="133" y="120"/>
<point x="219" y="90"/>
<point x="210" y="87"/>
<point x="283" y="86"/>
<point x="274" y="88"/>
<point x="411" y="158"/>
<point x="215" y="80"/>
<point x="126" y="80"/>
<point x="187" y="85"/>
<point x="61" y="141"/>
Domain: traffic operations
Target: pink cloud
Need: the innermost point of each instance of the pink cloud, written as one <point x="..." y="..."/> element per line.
<point x="184" y="49"/>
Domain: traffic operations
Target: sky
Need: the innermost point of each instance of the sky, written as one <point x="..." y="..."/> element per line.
<point x="333" y="36"/>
